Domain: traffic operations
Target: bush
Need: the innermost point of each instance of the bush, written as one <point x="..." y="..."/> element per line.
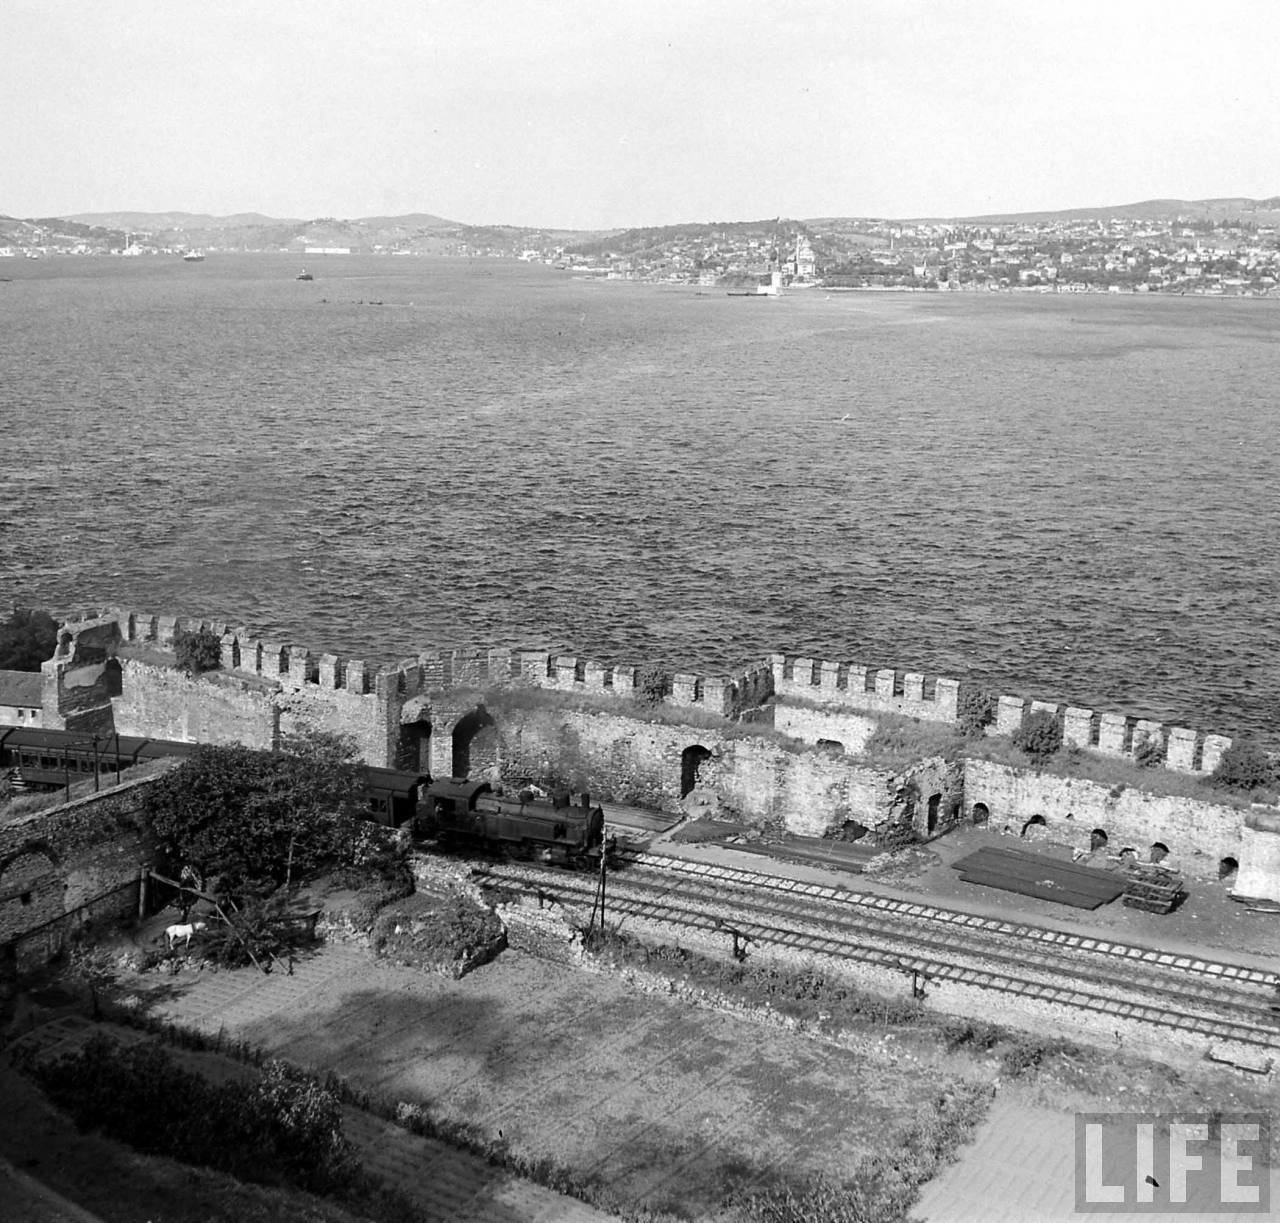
<point x="975" y="711"/>
<point x="260" y="930"/>
<point x="969" y="1033"/>
<point x="1245" y="766"/>
<point x="371" y="899"/>
<point x="198" y="650"/>
<point x="287" y="1126"/>
<point x="1039" y="736"/>
<point x="653" y="683"/>
<point x="1149" y="754"/>
<point x="450" y="937"/>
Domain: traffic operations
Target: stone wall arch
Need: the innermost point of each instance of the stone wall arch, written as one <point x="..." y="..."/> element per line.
<point x="475" y="743"/>
<point x="691" y="761"/>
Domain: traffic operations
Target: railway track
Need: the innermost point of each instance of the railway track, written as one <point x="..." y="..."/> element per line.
<point x="1211" y="999"/>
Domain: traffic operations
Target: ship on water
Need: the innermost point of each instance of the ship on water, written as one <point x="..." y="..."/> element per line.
<point x="193" y="257"/>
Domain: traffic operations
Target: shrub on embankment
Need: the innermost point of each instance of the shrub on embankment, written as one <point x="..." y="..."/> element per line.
<point x="286" y="1127"/>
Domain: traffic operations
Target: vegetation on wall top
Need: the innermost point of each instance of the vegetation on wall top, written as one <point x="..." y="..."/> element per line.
<point x="197" y="650"/>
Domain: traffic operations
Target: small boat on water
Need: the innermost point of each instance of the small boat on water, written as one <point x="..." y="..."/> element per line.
<point x="193" y="257"/>
<point x="304" y="275"/>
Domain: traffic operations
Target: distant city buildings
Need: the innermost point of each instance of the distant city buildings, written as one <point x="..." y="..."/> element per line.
<point x="1076" y="253"/>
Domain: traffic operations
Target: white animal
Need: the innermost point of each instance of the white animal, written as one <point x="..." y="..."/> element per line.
<point x="174" y="933"/>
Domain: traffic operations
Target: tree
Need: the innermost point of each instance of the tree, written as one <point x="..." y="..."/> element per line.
<point x="198" y="650"/>
<point x="27" y="638"/>
<point x="247" y="815"/>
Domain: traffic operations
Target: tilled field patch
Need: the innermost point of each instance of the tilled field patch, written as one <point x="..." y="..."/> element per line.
<point x="668" y="1106"/>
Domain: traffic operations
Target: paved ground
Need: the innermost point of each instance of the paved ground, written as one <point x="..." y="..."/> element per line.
<point x="1021" y="1169"/>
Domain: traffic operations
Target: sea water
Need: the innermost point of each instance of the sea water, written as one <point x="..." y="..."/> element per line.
<point x="1070" y="497"/>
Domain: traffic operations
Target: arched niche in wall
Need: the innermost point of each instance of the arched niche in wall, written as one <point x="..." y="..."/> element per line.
<point x="691" y="760"/>
<point x="475" y="743"/>
<point x="931" y="816"/>
<point x="1034" y="823"/>
<point x="413" y="752"/>
<point x="981" y="813"/>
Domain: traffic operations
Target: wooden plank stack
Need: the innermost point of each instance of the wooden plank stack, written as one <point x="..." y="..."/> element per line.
<point x="1151" y="888"/>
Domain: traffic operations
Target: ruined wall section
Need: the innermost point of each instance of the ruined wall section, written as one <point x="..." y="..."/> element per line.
<point x="69" y="865"/>
<point x="629" y="760"/>
<point x="80" y="680"/>
<point x="1198" y="834"/>
<point x="824" y="726"/>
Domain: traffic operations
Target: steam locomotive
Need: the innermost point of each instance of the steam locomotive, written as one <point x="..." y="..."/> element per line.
<point x="470" y="812"/>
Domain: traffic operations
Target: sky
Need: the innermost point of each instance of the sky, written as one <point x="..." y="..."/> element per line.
<point x="600" y="114"/>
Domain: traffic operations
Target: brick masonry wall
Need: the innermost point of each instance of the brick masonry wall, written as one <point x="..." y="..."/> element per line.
<point x="55" y="862"/>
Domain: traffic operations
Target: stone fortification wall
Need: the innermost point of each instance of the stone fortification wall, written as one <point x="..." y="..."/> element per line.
<point x="849" y="730"/>
<point x="852" y="686"/>
<point x="158" y="702"/>
<point x="112" y="672"/>
<point x="1198" y="834"/>
<point x="1118" y="734"/>
<point x="841" y="685"/>
<point x="63" y="867"/>
<point x="629" y="760"/>
<point x="350" y="697"/>
<point x="724" y="695"/>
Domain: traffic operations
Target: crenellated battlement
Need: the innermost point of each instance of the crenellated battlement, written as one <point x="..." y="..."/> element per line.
<point x="854" y="686"/>
<point x="780" y="678"/>
<point x="726" y="695"/>
<point x="1116" y="734"/>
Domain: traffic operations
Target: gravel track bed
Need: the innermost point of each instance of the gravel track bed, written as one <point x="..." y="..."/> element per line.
<point x="815" y="923"/>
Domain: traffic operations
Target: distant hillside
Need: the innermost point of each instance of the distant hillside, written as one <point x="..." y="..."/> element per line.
<point x="1260" y="212"/>
<point x="417" y="233"/>
<point x="175" y="220"/>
